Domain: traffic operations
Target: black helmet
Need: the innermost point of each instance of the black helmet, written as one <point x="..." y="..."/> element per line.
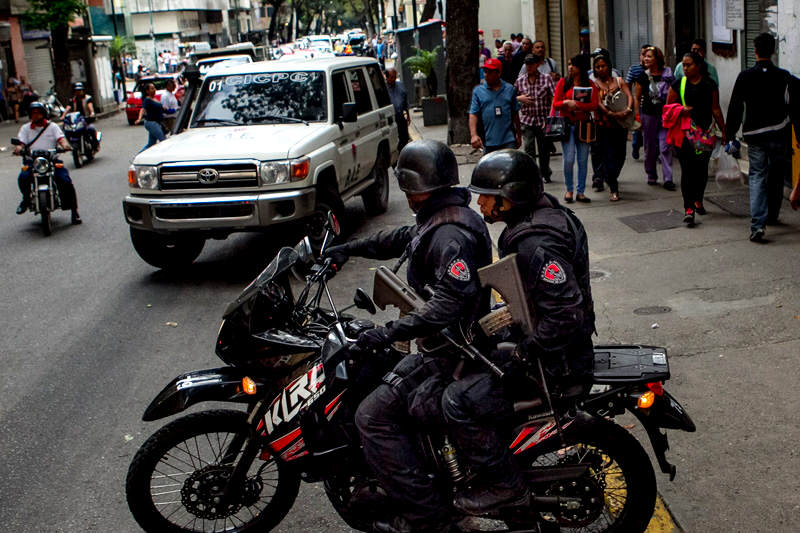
<point x="426" y="166"/>
<point x="36" y="105"/>
<point x="511" y="174"/>
<point x="78" y="87"/>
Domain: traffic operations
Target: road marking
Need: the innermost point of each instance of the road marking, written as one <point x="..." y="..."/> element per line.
<point x="662" y="521"/>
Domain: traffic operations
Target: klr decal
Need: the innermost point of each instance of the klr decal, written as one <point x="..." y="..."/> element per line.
<point x="301" y="392"/>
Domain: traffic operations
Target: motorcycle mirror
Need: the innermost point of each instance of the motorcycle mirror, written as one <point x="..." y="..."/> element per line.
<point x="305" y="252"/>
<point x="333" y="224"/>
<point x="15" y="141"/>
<point x="363" y="301"/>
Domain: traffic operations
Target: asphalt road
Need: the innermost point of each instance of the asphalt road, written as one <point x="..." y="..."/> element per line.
<point x="84" y="346"/>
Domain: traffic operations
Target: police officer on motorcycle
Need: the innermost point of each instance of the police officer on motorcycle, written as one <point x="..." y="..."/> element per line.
<point x="445" y="247"/>
<point x="40" y="134"/>
<point x="553" y="259"/>
<point x="82" y="103"/>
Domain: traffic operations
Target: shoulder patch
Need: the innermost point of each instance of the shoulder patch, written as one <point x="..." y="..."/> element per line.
<point x="458" y="269"/>
<point x="552" y="272"/>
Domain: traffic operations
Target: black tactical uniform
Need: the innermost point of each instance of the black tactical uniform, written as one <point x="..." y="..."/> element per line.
<point x="445" y="248"/>
<point x="553" y="260"/>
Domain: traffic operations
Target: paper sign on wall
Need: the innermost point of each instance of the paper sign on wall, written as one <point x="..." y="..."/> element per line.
<point x="734" y="14"/>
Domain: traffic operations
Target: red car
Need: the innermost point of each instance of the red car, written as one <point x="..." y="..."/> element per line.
<point x="134" y="102"/>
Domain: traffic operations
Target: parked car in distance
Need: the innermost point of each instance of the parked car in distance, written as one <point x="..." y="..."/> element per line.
<point x="134" y="101"/>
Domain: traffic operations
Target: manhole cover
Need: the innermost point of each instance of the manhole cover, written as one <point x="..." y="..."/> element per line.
<point x="597" y="274"/>
<point x="737" y="204"/>
<point x="652" y="310"/>
<point x="649" y="222"/>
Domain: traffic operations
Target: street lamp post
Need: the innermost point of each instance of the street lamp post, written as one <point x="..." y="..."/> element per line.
<point x="153" y="35"/>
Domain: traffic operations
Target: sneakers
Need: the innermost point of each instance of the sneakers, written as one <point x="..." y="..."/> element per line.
<point x="76" y="218"/>
<point x="22" y="207"/>
<point x="699" y="209"/>
<point x="481" y="500"/>
<point x="669" y="185"/>
<point x="757" y="235"/>
<point x="652" y="182"/>
<point x="688" y="218"/>
<point x="635" y="153"/>
<point x="547" y="179"/>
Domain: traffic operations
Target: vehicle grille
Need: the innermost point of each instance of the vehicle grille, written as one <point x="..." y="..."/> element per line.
<point x="186" y="176"/>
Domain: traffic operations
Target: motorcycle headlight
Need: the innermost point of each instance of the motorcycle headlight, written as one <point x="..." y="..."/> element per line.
<point x="146" y="177"/>
<point x="41" y="165"/>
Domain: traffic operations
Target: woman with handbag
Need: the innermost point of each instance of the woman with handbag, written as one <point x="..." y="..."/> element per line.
<point x="652" y="87"/>
<point x="614" y="117"/>
<point x="699" y="96"/>
<point x="576" y="98"/>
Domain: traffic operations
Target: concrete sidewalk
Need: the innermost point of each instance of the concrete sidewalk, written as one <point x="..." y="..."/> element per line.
<point x="728" y="311"/>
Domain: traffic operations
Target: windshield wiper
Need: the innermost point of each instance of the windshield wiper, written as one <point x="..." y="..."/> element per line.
<point x="279" y="117"/>
<point x="229" y="122"/>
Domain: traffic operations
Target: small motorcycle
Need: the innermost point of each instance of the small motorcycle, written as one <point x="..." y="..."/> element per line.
<point x="76" y="128"/>
<point x="294" y="366"/>
<point x="43" y="197"/>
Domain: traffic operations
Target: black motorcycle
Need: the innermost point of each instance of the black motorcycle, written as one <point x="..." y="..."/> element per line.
<point x="43" y="197"/>
<point x="293" y="365"/>
<point x="76" y="129"/>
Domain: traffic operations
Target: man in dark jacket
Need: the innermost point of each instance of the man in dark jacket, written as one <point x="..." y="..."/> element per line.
<point x="763" y="96"/>
<point x="553" y="259"/>
<point x="445" y="248"/>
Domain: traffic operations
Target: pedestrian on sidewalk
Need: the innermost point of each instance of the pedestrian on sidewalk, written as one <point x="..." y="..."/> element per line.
<point x="519" y="56"/>
<point x="576" y="98"/>
<point x="699" y="47"/>
<point x="652" y="87"/>
<point x="399" y="98"/>
<point x="495" y="108"/>
<point x="13" y="96"/>
<point x="536" y="92"/>
<point x="763" y="96"/>
<point x="699" y="96"/>
<point x="547" y="66"/>
<point x="170" y="105"/>
<point x="510" y="64"/>
<point x="152" y="114"/>
<point x="630" y="78"/>
<point x="614" y="114"/>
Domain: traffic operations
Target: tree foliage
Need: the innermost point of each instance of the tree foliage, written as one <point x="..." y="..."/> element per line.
<point x="52" y="14"/>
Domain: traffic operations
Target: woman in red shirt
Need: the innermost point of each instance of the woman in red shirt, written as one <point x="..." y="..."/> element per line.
<point x="576" y="98"/>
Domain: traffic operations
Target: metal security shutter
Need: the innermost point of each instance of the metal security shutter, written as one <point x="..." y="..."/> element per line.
<point x="752" y="27"/>
<point x="631" y="31"/>
<point x="40" y="65"/>
<point x="554" y="44"/>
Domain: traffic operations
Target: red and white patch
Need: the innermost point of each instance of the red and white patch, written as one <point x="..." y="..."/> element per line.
<point x="458" y="269"/>
<point x="553" y="273"/>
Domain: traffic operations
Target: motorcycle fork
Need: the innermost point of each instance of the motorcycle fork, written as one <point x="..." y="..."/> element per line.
<point x="252" y="446"/>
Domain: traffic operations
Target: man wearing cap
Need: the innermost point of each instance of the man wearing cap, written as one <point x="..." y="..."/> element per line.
<point x="535" y="92"/>
<point x="494" y="112"/>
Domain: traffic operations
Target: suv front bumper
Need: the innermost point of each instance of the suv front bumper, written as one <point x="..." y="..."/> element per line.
<point x="221" y="211"/>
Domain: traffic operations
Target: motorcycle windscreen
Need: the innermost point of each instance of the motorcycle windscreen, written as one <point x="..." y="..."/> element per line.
<point x="283" y="261"/>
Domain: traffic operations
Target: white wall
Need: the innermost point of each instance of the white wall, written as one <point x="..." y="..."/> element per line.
<point x="503" y="15"/>
<point x="788" y="20"/>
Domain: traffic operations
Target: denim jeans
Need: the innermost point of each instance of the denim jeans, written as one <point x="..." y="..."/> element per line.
<point x="770" y="162"/>
<point x="572" y="147"/>
<point x="66" y="190"/>
<point x="154" y="133"/>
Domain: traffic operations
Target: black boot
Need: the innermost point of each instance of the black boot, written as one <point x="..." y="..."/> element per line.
<point x="482" y="499"/>
<point x="23" y="206"/>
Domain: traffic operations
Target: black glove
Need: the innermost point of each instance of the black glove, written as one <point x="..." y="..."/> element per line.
<point x="338" y="255"/>
<point x="374" y="339"/>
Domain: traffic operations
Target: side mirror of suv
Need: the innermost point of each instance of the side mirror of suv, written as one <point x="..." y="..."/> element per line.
<point x="349" y="112"/>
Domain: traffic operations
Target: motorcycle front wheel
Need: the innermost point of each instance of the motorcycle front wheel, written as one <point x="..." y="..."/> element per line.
<point x="76" y="158"/>
<point x="44" y="212"/>
<point x="617" y="495"/>
<point x="176" y="479"/>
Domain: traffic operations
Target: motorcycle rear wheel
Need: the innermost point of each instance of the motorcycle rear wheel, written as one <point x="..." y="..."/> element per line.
<point x="177" y="473"/>
<point x="620" y="469"/>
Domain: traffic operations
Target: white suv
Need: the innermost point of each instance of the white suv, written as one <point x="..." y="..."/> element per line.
<point x="267" y="143"/>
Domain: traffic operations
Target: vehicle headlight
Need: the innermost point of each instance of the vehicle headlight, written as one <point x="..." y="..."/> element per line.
<point x="41" y="165"/>
<point x="274" y="172"/>
<point x="144" y="177"/>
